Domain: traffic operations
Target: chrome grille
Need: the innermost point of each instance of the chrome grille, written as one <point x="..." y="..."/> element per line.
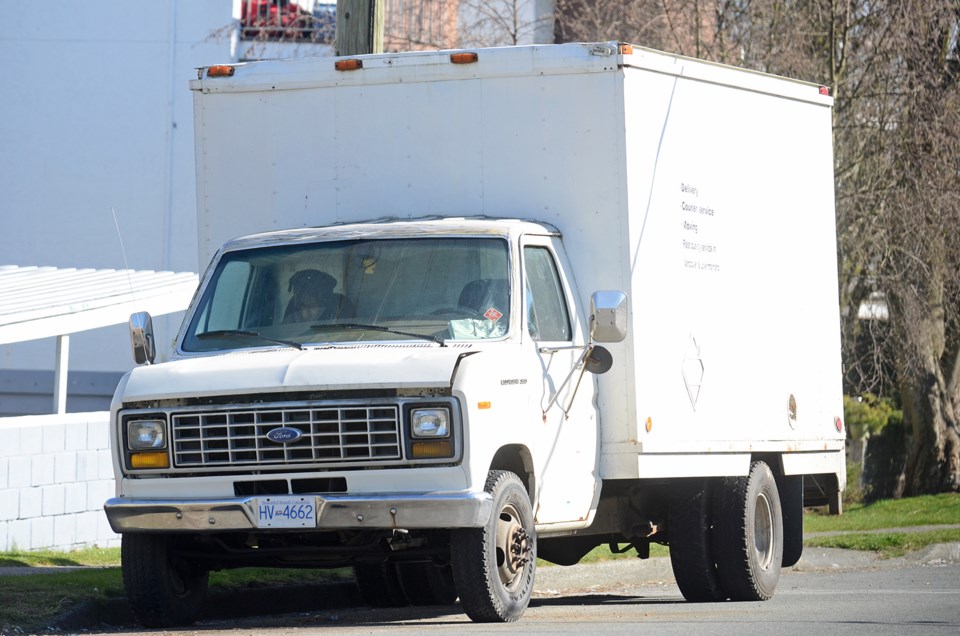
<point x="329" y="434"/>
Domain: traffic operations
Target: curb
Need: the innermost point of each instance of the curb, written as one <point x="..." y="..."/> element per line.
<point x="838" y="560"/>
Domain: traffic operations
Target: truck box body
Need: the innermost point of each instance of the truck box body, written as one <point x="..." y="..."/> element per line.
<point x="395" y="360"/>
<point x="704" y="192"/>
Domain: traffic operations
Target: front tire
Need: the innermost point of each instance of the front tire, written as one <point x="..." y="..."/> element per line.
<point x="163" y="588"/>
<point x="494" y="566"/>
<point x="748" y="536"/>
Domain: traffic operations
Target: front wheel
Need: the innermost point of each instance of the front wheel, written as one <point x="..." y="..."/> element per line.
<point x="163" y="588"/>
<point x="494" y="566"/>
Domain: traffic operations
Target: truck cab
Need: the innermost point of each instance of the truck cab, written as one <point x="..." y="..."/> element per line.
<point x="360" y="386"/>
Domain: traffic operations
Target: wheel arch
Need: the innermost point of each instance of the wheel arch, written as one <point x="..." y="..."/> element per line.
<point x="773" y="460"/>
<point x="518" y="459"/>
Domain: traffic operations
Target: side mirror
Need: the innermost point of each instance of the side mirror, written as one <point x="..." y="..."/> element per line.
<point x="608" y="316"/>
<point x="141" y="338"/>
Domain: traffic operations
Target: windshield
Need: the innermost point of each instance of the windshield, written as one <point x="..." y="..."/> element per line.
<point x="431" y="289"/>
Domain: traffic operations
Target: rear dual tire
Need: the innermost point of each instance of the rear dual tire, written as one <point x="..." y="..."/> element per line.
<point x="748" y="538"/>
<point x="726" y="537"/>
<point x="691" y="548"/>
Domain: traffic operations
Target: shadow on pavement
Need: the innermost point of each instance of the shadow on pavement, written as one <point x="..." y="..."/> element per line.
<point x="312" y="605"/>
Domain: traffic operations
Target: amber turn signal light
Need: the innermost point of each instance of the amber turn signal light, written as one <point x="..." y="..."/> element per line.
<point x="432" y="449"/>
<point x="149" y="460"/>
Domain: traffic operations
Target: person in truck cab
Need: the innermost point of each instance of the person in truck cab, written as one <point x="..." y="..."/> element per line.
<point x="313" y="298"/>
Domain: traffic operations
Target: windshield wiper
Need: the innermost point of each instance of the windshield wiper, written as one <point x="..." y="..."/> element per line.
<point x="233" y="333"/>
<point x="354" y="325"/>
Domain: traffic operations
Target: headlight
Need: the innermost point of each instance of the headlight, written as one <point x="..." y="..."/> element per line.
<point x="430" y="423"/>
<point x="146" y="435"/>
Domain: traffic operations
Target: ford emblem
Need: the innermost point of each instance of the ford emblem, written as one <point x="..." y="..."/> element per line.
<point x="284" y="435"/>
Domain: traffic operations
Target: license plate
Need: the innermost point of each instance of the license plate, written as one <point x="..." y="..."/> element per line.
<point x="286" y="512"/>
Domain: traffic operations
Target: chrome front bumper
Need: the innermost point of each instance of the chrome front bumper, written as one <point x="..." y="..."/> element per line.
<point x="334" y="512"/>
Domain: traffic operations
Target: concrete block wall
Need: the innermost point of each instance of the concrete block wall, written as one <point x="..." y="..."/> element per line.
<point x="55" y="474"/>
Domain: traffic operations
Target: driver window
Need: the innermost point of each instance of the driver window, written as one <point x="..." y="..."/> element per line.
<point x="547" y="316"/>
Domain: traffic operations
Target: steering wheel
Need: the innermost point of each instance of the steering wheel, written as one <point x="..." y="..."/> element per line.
<point x="457" y="310"/>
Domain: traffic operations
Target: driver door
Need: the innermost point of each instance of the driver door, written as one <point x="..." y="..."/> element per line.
<point x="566" y="444"/>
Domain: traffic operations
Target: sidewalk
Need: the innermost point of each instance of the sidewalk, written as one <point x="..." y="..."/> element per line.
<point x="606" y="576"/>
<point x="906" y="529"/>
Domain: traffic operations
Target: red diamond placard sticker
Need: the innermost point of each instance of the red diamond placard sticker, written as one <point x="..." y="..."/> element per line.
<point x="493" y="314"/>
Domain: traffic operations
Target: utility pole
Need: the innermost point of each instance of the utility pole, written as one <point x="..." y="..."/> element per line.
<point x="359" y="27"/>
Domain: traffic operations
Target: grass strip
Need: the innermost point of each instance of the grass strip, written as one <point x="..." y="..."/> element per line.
<point x="886" y="545"/>
<point x="926" y="510"/>
<point x="31" y="603"/>
<point x="95" y="557"/>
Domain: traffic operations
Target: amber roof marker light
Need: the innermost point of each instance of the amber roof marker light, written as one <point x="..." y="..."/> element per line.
<point x="348" y="65"/>
<point x="220" y="70"/>
<point x="464" y="58"/>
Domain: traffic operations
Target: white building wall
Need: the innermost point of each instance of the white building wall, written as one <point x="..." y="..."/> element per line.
<point x="96" y="134"/>
<point x="55" y="475"/>
<point x="97" y="119"/>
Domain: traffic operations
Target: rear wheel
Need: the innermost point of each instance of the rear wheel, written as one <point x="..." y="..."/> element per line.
<point x="494" y="566"/>
<point x="691" y="550"/>
<point x="748" y="536"/>
<point x="163" y="588"/>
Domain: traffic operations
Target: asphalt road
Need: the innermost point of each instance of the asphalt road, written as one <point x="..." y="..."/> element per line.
<point x="828" y="592"/>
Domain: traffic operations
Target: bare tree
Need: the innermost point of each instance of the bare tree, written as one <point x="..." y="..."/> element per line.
<point x="503" y="22"/>
<point x="436" y="24"/>
<point x="653" y="23"/>
<point x="411" y="25"/>
<point x="920" y="264"/>
<point x="893" y="68"/>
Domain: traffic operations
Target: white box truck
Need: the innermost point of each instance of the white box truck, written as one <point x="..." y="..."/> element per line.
<point x="491" y="305"/>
